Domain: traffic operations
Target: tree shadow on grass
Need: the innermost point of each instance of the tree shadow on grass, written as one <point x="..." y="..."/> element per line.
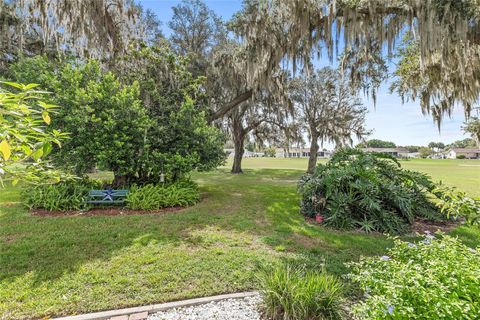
<point x="250" y="203"/>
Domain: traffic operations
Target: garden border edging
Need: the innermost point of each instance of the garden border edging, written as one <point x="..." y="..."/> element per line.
<point x="156" y="307"/>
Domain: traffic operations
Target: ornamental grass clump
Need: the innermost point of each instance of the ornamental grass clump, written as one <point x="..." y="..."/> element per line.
<point x="291" y="293"/>
<point x="367" y="191"/>
<point x="436" y="278"/>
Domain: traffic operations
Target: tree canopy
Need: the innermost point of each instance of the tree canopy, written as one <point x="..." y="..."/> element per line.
<point x="377" y="143"/>
<point x="329" y="110"/>
<point x="139" y="134"/>
<point x="101" y="29"/>
<point x="447" y="31"/>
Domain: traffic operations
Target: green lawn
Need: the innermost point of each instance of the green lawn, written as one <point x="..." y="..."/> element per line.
<point x="67" y="265"/>
<point x="464" y="174"/>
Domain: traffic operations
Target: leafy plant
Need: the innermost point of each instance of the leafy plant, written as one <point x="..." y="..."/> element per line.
<point x="24" y="140"/>
<point x="62" y="196"/>
<point x="436" y="278"/>
<point x="367" y="191"/>
<point x="139" y="126"/>
<point x="154" y="197"/>
<point x="455" y="204"/>
<point x="291" y="293"/>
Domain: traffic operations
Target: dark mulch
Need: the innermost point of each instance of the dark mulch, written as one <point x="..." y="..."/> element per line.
<point x="110" y="211"/>
<point x="421" y="226"/>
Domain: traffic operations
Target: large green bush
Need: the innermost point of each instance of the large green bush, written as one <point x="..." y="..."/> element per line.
<point x="291" y="293"/>
<point x="62" y="196"/>
<point x="367" y="191"/>
<point x="148" y="124"/>
<point x="437" y="278"/>
<point x="154" y="197"/>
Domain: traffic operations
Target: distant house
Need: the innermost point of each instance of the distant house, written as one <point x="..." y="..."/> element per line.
<point x="299" y="153"/>
<point x="468" y="153"/>
<point x="394" y="152"/>
<point x="246" y="154"/>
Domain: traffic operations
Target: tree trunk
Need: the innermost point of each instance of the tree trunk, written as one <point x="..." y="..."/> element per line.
<point x="238" y="140"/>
<point x="119" y="180"/>
<point x="237" y="159"/>
<point x="312" y="160"/>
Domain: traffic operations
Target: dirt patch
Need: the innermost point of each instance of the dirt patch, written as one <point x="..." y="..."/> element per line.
<point x="112" y="211"/>
<point x="421" y="226"/>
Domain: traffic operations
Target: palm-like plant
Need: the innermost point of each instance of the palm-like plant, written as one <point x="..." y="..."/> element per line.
<point x="367" y="191"/>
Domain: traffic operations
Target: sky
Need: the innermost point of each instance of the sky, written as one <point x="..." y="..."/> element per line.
<point x="390" y="120"/>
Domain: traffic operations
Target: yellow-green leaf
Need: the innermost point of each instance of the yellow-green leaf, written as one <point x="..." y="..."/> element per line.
<point x="5" y="149"/>
<point x="37" y="154"/>
<point x="47" y="148"/>
<point x="46" y="117"/>
<point x="14" y="182"/>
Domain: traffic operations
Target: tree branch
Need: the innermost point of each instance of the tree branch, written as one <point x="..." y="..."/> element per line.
<point x="231" y="105"/>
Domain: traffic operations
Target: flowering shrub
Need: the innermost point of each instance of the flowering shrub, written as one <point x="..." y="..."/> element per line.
<point x="436" y="278"/>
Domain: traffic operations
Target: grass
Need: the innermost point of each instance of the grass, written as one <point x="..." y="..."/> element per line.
<point x="66" y="265"/>
<point x="464" y="174"/>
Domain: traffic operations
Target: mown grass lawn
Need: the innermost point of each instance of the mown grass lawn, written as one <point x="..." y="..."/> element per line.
<point x="463" y="174"/>
<point x="67" y="265"/>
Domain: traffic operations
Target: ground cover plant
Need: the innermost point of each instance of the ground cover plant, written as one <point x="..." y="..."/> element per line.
<point x="436" y="278"/>
<point x="154" y="197"/>
<point x="73" y="264"/>
<point x="367" y="191"/>
<point x="66" y="195"/>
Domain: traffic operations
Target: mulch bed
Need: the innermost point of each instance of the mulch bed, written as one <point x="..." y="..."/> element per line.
<point x="420" y="226"/>
<point x="110" y="211"/>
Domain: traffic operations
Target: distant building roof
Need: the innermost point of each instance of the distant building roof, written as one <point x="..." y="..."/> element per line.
<point x="385" y="150"/>
<point x="466" y="150"/>
<point x="294" y="149"/>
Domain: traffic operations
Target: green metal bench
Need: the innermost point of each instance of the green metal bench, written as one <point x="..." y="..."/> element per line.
<point x="108" y="196"/>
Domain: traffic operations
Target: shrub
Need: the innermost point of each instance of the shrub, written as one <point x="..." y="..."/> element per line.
<point x="154" y="197"/>
<point x="62" y="196"/>
<point x="461" y="156"/>
<point x="294" y="294"/>
<point x="437" y="278"/>
<point x="367" y="191"/>
<point x="455" y="204"/>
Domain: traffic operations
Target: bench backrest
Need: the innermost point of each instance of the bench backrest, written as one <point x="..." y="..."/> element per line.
<point x="116" y="193"/>
<point x="99" y="196"/>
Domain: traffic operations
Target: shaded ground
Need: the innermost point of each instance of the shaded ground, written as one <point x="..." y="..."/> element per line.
<point x="110" y="211"/>
<point x="71" y="264"/>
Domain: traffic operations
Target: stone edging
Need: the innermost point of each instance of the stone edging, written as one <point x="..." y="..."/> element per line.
<point x="156" y="307"/>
